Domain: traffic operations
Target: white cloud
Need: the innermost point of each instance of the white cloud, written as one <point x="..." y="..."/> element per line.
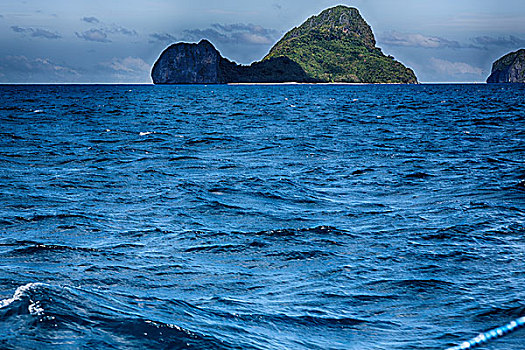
<point x="90" y="20"/>
<point x="486" y="42"/>
<point x="512" y="22"/>
<point x="453" y="68"/>
<point x="96" y="35"/>
<point x="22" y="68"/>
<point x="121" y="30"/>
<point x="238" y="33"/>
<point x="36" y="33"/>
<point x="162" y="37"/>
<point x="417" y="40"/>
<point x="125" y="70"/>
<point x="102" y="33"/>
<point x="127" y="65"/>
<point x="251" y="38"/>
<point x="23" y="63"/>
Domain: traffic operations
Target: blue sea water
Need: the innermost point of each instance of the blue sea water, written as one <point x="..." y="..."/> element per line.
<point x="261" y="217"/>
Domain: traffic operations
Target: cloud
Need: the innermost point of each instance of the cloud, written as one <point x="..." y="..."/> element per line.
<point x="394" y="38"/>
<point x="163" y="37"/>
<point x="125" y="69"/>
<point x="453" y="68"/>
<point x="36" y="33"/>
<point x="480" y="22"/>
<point x="42" y="33"/>
<point x="238" y="33"/>
<point x="210" y="34"/>
<point x="241" y="27"/>
<point x="18" y="29"/>
<point x="433" y="42"/>
<point x="21" y="66"/>
<point x="250" y="38"/>
<point x="92" y="20"/>
<point x="127" y="65"/>
<point x="121" y="30"/>
<point x="101" y="35"/>
<point x="486" y="42"/>
<point x="96" y="35"/>
<point x="277" y="6"/>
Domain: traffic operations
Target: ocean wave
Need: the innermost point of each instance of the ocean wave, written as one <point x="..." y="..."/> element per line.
<point x="44" y="315"/>
<point x="58" y="216"/>
<point x="21" y="293"/>
<point x="302" y="255"/>
<point x="308" y="321"/>
<point x="511" y="310"/>
<point x="314" y="231"/>
<point x="418" y="175"/>
<point x="216" y="248"/>
<point x="413" y="285"/>
<point x="256" y="225"/>
<point x="44" y="248"/>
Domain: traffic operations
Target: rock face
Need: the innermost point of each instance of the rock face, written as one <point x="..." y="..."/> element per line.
<point x="509" y="68"/>
<point x="202" y="64"/>
<point x="334" y="46"/>
<point x="188" y="64"/>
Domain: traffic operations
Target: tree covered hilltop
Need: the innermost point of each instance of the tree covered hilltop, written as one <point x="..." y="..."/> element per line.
<point x="339" y="46"/>
<point x="335" y="46"/>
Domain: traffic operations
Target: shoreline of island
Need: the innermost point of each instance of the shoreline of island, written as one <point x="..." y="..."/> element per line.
<point x="332" y="83"/>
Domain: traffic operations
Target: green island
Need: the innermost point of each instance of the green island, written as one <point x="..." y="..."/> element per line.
<point x="339" y="46"/>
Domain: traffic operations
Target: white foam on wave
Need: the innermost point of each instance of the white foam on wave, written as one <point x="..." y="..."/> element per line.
<point x="145" y="133"/>
<point x="34" y="308"/>
<point x="38" y="111"/>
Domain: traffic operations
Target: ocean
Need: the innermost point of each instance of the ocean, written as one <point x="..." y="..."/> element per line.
<point x="261" y="217"/>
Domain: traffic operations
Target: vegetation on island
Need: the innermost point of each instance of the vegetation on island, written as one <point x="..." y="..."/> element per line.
<point x="339" y="46"/>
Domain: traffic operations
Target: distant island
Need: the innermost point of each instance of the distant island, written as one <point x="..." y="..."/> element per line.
<point x="336" y="46"/>
<point x="509" y="68"/>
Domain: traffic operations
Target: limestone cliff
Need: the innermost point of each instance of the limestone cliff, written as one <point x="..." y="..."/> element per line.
<point x="188" y="64"/>
<point x="201" y="63"/>
<point x="509" y="68"/>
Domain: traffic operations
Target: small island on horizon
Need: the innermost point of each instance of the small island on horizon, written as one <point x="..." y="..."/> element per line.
<point x="509" y="68"/>
<point x="336" y="46"/>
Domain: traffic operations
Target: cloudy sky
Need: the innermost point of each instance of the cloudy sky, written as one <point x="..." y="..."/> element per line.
<point x="117" y="41"/>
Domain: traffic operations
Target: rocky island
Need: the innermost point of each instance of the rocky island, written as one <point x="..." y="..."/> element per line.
<point x="201" y="63"/>
<point x="509" y="68"/>
<point x="335" y="46"/>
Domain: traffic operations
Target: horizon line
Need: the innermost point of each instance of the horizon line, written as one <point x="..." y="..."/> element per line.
<point x="285" y="83"/>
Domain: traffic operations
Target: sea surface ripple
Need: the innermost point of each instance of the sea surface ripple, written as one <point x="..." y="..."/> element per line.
<point x="261" y="217"/>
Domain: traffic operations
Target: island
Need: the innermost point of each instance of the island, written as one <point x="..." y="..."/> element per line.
<point x="336" y="46"/>
<point x="509" y="68"/>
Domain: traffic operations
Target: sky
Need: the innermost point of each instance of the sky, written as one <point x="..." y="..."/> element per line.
<point x="117" y="41"/>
